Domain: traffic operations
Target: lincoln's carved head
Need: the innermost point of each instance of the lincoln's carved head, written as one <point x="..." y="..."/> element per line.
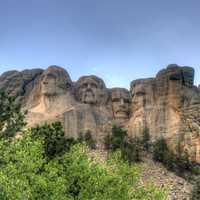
<point x="120" y="103"/>
<point x="54" y="81"/>
<point x="138" y="95"/>
<point x="91" y="90"/>
<point x="140" y="90"/>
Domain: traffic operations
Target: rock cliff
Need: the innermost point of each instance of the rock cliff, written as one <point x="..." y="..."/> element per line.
<point x="168" y="104"/>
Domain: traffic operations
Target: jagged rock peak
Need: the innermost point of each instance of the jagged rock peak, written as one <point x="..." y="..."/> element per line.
<point x="15" y="82"/>
<point x="184" y="74"/>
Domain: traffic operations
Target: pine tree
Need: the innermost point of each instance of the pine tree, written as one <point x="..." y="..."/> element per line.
<point x="145" y="139"/>
<point x="12" y="119"/>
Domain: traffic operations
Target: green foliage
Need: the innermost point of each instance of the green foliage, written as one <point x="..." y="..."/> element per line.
<point x="177" y="163"/>
<point x="11" y="117"/>
<point x="131" y="175"/>
<point x="145" y="139"/>
<point x="54" y="141"/>
<point x="196" y="190"/>
<point x="116" y="139"/>
<point x="160" y="149"/>
<point x="107" y="142"/>
<point x="196" y="170"/>
<point x="130" y="147"/>
<point x="131" y="150"/>
<point x="25" y="174"/>
<point x="87" y="138"/>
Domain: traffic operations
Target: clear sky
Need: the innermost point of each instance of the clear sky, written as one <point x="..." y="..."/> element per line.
<point x="118" y="40"/>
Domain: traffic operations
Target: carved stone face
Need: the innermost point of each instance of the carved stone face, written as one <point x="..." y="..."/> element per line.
<point x="55" y="80"/>
<point x="120" y="103"/>
<point x="90" y="90"/>
<point x="138" y="96"/>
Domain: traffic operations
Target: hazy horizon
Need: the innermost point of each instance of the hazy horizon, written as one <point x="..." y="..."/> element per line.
<point x="117" y="40"/>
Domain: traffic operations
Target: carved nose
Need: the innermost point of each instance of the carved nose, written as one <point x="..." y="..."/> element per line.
<point x="88" y="86"/>
<point x="122" y="102"/>
<point x="45" y="82"/>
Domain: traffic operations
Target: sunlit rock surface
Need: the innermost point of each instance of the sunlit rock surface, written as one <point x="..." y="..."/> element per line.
<point x="168" y="104"/>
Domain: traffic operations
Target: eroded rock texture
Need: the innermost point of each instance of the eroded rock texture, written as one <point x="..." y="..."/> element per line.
<point x="120" y="103"/>
<point x="168" y="105"/>
<point x="19" y="84"/>
<point x="92" y="110"/>
<point x="51" y="96"/>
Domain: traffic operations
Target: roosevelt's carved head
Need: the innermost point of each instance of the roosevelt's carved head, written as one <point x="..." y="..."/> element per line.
<point x="91" y="90"/>
<point x="120" y="103"/>
<point x="54" y="81"/>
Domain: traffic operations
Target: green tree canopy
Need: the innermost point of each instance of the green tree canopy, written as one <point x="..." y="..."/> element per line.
<point x="11" y="116"/>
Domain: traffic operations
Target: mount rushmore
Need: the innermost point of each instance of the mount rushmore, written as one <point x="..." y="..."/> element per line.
<point x="168" y="105"/>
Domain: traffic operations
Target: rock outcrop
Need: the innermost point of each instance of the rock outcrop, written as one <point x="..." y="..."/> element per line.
<point x="168" y="105"/>
<point x="19" y="84"/>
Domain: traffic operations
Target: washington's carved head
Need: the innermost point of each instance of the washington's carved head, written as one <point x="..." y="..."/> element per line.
<point x="91" y="90"/>
<point x="120" y="103"/>
<point x="54" y="81"/>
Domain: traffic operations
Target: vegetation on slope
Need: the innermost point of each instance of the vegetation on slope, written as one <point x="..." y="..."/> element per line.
<point x="43" y="164"/>
<point x="28" y="173"/>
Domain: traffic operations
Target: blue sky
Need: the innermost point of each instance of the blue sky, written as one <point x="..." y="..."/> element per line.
<point x="118" y="40"/>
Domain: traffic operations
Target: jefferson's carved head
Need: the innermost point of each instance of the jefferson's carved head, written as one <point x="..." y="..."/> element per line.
<point x="54" y="81"/>
<point x="120" y="103"/>
<point x="91" y="90"/>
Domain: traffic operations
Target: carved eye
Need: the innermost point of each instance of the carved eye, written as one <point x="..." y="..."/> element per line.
<point x="85" y="85"/>
<point x="115" y="100"/>
<point x="93" y="85"/>
<point x="51" y="76"/>
<point x="140" y="93"/>
<point x="126" y="101"/>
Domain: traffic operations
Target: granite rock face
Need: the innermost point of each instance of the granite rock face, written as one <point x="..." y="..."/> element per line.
<point x="19" y="84"/>
<point x="91" y="90"/>
<point x="168" y="104"/>
<point x="92" y="110"/>
<point x="120" y="103"/>
<point x="51" y="96"/>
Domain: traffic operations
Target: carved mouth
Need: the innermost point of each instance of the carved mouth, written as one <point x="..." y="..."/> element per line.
<point x="122" y="112"/>
<point x="89" y="96"/>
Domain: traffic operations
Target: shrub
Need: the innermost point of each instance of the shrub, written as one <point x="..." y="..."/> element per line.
<point x="145" y="139"/>
<point x="130" y="147"/>
<point x="69" y="173"/>
<point x="55" y="142"/>
<point x="87" y="138"/>
<point x="177" y="163"/>
<point x="130" y="150"/>
<point x="196" y="190"/>
<point x="160" y="149"/>
<point x="73" y="175"/>
<point x="116" y="139"/>
<point x="11" y="116"/>
<point x="182" y="163"/>
<point x="107" y="142"/>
